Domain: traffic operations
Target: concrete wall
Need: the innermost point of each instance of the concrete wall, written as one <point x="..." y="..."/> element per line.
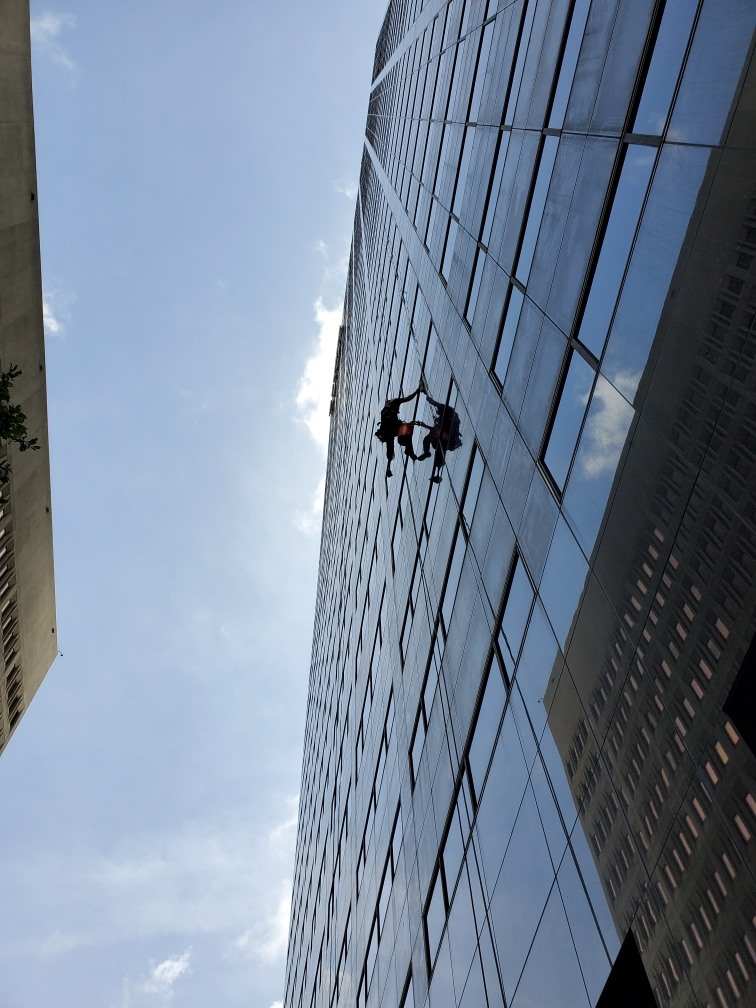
<point x="25" y="517"/>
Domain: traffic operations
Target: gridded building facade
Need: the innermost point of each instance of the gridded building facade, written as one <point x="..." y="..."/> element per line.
<point x="27" y="589"/>
<point x="529" y="774"/>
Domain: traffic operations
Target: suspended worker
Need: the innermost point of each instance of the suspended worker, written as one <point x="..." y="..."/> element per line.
<point x="393" y="427"/>
<point x="444" y="436"/>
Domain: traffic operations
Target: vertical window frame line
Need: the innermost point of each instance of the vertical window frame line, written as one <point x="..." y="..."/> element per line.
<point x="421" y="719"/>
<point x="535" y="178"/>
<point x="442" y="599"/>
<point x="447" y="890"/>
<point x="464" y="763"/>
<point x="489" y="204"/>
<point x="573" y="347"/>
<point x="452" y="221"/>
<point x="527" y="7"/>
<point x="423" y="713"/>
<point x="438" y="875"/>
<point x="646" y="59"/>
<point x="486" y="24"/>
<point x="438" y="633"/>
<point x="450" y="889"/>
<point x="517" y="557"/>
<point x="615" y="176"/>
<point x="476" y="279"/>
<point x="475" y="454"/>
<point x="513" y="284"/>
<point x="407" y="992"/>
<point x="559" y="64"/>
<point x="460" y="178"/>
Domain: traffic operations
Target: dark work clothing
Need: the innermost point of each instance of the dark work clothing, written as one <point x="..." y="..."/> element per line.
<point x="392" y="427"/>
<point x="446" y="423"/>
<point x="443" y="436"/>
<point x="404" y="438"/>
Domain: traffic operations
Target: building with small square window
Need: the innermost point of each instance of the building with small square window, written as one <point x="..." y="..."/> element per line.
<point x="529" y="776"/>
<point x="27" y="590"/>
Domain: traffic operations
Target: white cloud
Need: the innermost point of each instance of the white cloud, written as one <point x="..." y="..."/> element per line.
<point x="607" y="425"/>
<point x="277" y="1004"/>
<point x="163" y="976"/>
<point x="205" y="880"/>
<point x="56" y="310"/>
<point x="53" y="325"/>
<point x="348" y="189"/>
<point x="285" y="833"/>
<point x="58" y="942"/>
<point x="45" y="30"/>
<point x="309" y="522"/>
<point x="314" y="394"/>
<point x="157" y="987"/>
<point x="335" y="265"/>
<point x="267" y="939"/>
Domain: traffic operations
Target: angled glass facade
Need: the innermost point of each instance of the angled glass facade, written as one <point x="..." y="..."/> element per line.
<point x="529" y="774"/>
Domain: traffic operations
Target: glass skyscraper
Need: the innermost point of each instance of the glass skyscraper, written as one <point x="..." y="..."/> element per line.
<point x="529" y="774"/>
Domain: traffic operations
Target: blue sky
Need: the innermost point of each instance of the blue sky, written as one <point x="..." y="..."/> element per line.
<point x="197" y="166"/>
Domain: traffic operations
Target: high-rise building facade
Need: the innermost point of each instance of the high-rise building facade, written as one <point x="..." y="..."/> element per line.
<point x="529" y="774"/>
<point x="27" y="591"/>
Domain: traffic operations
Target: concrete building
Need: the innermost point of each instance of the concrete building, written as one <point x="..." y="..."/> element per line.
<point x="529" y="774"/>
<point x="27" y="591"/>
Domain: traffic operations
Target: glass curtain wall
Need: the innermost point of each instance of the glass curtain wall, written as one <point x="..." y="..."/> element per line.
<point x="529" y="776"/>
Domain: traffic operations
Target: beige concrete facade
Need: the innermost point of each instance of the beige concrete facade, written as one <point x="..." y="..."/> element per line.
<point x="27" y="593"/>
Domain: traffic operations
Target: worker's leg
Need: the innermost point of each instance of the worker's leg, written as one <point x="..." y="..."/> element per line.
<point x="427" y="441"/>
<point x="405" y="440"/>
<point x="389" y="455"/>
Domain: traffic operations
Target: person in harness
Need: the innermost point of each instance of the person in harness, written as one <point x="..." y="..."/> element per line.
<point x="444" y="436"/>
<point x="392" y="427"/>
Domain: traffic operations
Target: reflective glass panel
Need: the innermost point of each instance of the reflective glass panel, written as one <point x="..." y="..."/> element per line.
<point x="592" y="953"/>
<point x="454" y="848"/>
<point x="540" y="653"/>
<point x="674" y="192"/>
<point x="598" y="455"/>
<point x="563" y="581"/>
<point x="480" y="73"/>
<point x="521" y="893"/>
<point x="486" y="727"/>
<point x="569" y="62"/>
<point x="473" y="485"/>
<point x="501" y="799"/>
<point x="522" y="51"/>
<point x="615" y="248"/>
<point x="435" y="917"/>
<point x="472" y="298"/>
<point x="669" y="49"/>
<point x="462" y="934"/>
<point x="723" y="35"/>
<point x="451" y="237"/>
<point x="441" y="993"/>
<point x="535" y="212"/>
<point x="516" y="612"/>
<point x="464" y="165"/>
<point x="561" y="984"/>
<point x="508" y="330"/>
<point x="498" y="170"/>
<point x="568" y="419"/>
<point x="474" y="994"/>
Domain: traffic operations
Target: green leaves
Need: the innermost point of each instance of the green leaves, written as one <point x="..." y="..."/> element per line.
<point x="12" y="421"/>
